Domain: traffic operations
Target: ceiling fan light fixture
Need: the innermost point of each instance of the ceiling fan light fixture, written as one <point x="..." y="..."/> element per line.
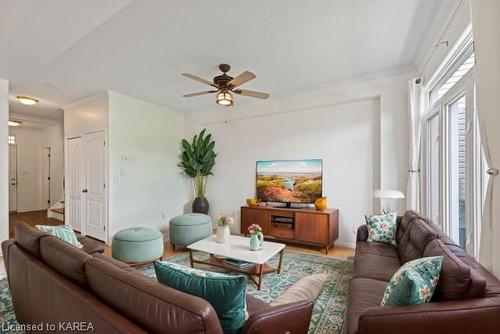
<point x="26" y="100"/>
<point x="224" y="98"/>
<point x="14" y="123"/>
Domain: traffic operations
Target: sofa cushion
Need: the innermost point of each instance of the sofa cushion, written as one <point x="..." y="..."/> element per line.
<point x="116" y="263"/>
<point x="29" y="238"/>
<point x="416" y="237"/>
<point x="154" y="307"/>
<point x="404" y="224"/>
<point x="456" y="281"/>
<point x="226" y="293"/>
<point x="414" y="283"/>
<point x="255" y="304"/>
<point x="382" y="228"/>
<point x="306" y="288"/>
<point x="363" y="294"/>
<point x="62" y="232"/>
<point x="376" y="248"/>
<point x="64" y="258"/>
<point x="376" y="267"/>
<point x="91" y="246"/>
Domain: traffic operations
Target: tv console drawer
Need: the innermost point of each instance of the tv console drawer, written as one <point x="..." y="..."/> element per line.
<point x="285" y="233"/>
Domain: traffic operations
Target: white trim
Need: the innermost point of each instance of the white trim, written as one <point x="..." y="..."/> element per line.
<point x="463" y="43"/>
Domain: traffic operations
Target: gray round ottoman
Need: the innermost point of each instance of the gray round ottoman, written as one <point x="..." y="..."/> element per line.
<point x="189" y="228"/>
<point x="137" y="245"/>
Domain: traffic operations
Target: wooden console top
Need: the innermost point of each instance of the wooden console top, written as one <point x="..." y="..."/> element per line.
<point x="306" y="210"/>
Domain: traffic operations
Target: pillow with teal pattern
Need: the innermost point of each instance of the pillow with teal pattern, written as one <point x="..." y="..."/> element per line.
<point x="63" y="232"/>
<point x="226" y="293"/>
<point x="382" y="228"/>
<point x="414" y="283"/>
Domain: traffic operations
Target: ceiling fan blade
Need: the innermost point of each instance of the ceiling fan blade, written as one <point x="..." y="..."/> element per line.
<point x="252" y="93"/>
<point x="241" y="79"/>
<point x="199" y="93"/>
<point x="197" y="78"/>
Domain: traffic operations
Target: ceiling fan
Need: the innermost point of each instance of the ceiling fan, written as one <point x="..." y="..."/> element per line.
<point x="226" y="85"/>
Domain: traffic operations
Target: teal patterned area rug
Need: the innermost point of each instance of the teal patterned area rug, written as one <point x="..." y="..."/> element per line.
<point x="329" y="309"/>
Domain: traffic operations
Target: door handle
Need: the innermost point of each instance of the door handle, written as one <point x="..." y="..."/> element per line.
<point x="85" y="191"/>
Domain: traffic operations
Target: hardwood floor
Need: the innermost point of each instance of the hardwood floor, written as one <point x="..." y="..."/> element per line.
<point x="31" y="218"/>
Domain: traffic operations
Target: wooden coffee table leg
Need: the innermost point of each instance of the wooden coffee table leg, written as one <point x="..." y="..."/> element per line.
<point x="261" y="273"/>
<point x="191" y="258"/>
<point x="281" y="261"/>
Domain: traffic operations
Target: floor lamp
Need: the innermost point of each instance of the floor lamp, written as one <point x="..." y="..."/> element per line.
<point x="390" y="196"/>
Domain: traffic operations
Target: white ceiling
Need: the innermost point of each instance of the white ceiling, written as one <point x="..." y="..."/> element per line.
<point x="61" y="51"/>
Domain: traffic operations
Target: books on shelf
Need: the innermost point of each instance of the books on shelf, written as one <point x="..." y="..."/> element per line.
<point x="238" y="263"/>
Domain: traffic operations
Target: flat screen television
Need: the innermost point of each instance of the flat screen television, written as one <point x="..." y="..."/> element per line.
<point x="290" y="181"/>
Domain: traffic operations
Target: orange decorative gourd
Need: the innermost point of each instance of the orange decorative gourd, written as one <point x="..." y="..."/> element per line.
<point x="253" y="202"/>
<point x="321" y="203"/>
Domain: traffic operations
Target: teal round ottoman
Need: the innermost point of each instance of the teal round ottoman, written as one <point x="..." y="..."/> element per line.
<point x="137" y="245"/>
<point x="189" y="228"/>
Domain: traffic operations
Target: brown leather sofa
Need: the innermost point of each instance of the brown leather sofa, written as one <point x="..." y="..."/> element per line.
<point x="54" y="283"/>
<point x="467" y="298"/>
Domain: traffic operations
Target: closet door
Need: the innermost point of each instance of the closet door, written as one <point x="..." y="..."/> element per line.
<point x="94" y="190"/>
<point x="74" y="184"/>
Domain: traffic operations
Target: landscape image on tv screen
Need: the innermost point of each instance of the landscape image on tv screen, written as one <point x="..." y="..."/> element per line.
<point x="292" y="181"/>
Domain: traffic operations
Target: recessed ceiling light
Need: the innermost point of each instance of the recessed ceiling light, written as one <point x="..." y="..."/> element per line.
<point x="14" y="123"/>
<point x="29" y="101"/>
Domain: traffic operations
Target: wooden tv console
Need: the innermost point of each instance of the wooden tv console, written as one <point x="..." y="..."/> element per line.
<point x="304" y="226"/>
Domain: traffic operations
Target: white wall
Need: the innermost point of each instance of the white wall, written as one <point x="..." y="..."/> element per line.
<point x="4" y="160"/>
<point x="87" y="115"/>
<point x="244" y="133"/>
<point x="146" y="188"/>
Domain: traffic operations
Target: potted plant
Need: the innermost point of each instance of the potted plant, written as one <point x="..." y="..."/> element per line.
<point x="197" y="161"/>
<point x="223" y="233"/>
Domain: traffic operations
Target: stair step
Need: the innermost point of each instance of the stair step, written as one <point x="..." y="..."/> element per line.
<point x="58" y="210"/>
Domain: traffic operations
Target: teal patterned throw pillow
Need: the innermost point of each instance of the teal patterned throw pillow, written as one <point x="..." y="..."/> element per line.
<point x="414" y="283"/>
<point x="226" y="293"/>
<point x="382" y="228"/>
<point x="63" y="232"/>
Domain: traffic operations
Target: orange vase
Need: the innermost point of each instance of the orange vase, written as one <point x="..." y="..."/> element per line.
<point x="321" y="203"/>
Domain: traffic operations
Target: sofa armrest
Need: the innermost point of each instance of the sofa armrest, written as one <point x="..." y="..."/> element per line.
<point x="6" y="245"/>
<point x="479" y="315"/>
<point x="288" y="318"/>
<point x="362" y="234"/>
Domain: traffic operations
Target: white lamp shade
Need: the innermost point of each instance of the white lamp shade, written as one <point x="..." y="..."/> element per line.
<point x="395" y="194"/>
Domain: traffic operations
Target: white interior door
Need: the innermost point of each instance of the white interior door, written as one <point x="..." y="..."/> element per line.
<point x="95" y="184"/>
<point x="74" y="184"/>
<point x="12" y="178"/>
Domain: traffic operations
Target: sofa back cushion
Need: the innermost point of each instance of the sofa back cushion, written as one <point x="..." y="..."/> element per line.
<point x="415" y="239"/>
<point x="64" y="258"/>
<point x="28" y="238"/>
<point x="154" y="307"/>
<point x="457" y="280"/>
<point x="404" y="224"/>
